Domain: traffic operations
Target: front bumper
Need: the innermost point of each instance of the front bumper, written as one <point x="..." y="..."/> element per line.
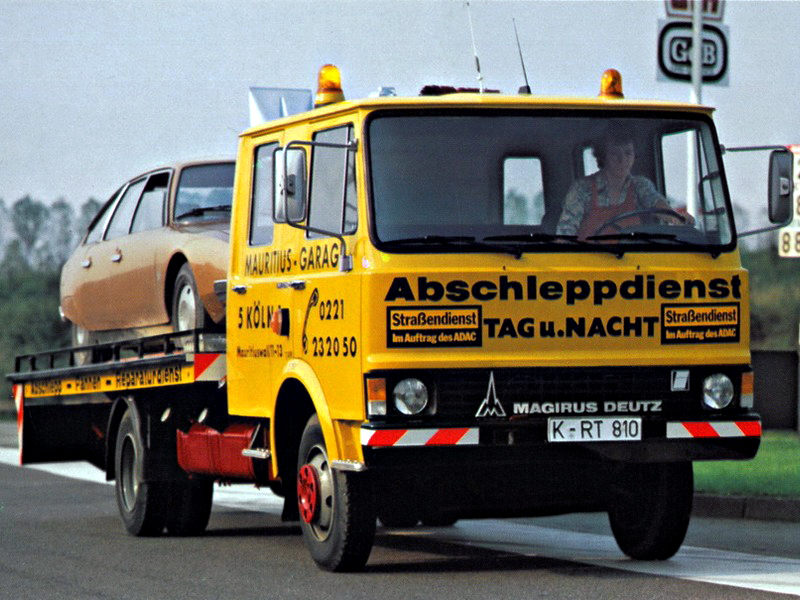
<point x="525" y="442"/>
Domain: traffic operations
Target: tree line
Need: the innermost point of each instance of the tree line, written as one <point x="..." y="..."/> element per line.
<point x="35" y="241"/>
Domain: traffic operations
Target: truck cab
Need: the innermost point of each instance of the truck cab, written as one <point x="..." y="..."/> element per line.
<point x="405" y="274"/>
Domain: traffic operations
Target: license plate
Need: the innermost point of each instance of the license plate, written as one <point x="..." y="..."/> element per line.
<point x="599" y="429"/>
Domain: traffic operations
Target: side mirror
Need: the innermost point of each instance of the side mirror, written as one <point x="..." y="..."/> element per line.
<point x="290" y="191"/>
<point x="780" y="186"/>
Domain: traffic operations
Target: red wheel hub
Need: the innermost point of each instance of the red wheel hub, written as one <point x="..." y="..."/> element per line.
<point x="308" y="493"/>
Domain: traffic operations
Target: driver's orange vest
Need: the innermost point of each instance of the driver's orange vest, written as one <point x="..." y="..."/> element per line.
<point x="596" y="215"/>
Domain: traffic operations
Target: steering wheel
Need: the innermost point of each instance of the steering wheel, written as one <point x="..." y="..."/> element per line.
<point x="614" y="221"/>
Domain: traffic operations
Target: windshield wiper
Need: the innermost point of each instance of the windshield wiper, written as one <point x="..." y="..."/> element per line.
<point x="540" y="238"/>
<point x="201" y="210"/>
<point x="464" y="241"/>
<point x="648" y="236"/>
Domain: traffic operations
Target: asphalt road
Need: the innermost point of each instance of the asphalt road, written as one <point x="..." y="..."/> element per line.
<point x="61" y="537"/>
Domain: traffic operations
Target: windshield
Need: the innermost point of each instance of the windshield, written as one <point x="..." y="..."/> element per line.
<point x="205" y="192"/>
<point x="547" y="180"/>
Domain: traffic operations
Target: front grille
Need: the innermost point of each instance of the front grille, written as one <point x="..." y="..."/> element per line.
<point x="459" y="393"/>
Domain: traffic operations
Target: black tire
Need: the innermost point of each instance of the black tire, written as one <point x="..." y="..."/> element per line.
<point x="650" y="507"/>
<point x="189" y="506"/>
<point x="141" y="503"/>
<point x="339" y="534"/>
<point x="188" y="311"/>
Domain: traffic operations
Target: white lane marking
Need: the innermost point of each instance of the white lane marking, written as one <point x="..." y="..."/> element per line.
<point x="241" y="497"/>
<point x="765" y="573"/>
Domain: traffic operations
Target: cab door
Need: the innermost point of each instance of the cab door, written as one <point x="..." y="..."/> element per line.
<point x="259" y="259"/>
<point x="326" y="299"/>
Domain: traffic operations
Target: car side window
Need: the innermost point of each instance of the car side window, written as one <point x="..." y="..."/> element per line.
<point x="121" y="220"/>
<point x="150" y="212"/>
<point x="98" y="225"/>
<point x="261" y="224"/>
<point x="332" y="173"/>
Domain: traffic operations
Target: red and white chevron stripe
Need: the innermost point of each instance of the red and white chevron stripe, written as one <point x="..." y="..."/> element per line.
<point x="209" y="367"/>
<point x="464" y="436"/>
<point x="716" y="429"/>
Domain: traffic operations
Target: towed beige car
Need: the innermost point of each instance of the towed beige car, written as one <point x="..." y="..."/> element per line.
<point x="149" y="259"/>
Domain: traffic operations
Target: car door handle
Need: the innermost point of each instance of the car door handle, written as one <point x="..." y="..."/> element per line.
<point x="295" y="285"/>
<point x="239" y="289"/>
<point x="116" y="257"/>
<point x="87" y="262"/>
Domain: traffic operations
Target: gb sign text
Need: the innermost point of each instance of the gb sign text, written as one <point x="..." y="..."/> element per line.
<point x="675" y="52"/>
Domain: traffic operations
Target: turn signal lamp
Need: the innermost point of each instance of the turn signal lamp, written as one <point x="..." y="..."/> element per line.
<point x="329" y="86"/>
<point x="611" y="85"/>
<point x="376" y="397"/>
<point x="747" y="390"/>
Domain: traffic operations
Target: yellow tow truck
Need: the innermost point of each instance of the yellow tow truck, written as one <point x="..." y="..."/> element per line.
<point x="441" y="307"/>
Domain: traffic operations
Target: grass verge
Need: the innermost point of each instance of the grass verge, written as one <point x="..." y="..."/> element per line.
<point x="775" y="471"/>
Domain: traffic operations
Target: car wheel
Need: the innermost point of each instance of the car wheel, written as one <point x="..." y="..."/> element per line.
<point x="188" y="312"/>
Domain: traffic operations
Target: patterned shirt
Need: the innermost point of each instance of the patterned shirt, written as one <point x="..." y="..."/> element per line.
<point x="579" y="197"/>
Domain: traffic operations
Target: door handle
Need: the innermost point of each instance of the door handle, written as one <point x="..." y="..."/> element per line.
<point x="86" y="263"/>
<point x="239" y="289"/>
<point x="116" y="257"/>
<point x="297" y="284"/>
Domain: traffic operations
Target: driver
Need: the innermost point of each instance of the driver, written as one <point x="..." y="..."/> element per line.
<point x="592" y="201"/>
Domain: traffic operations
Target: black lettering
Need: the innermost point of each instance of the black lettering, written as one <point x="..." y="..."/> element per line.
<point x="718" y="288"/>
<point x="429" y="290"/>
<point x="491" y="324"/>
<point x="694" y="284"/>
<point x="669" y="288"/>
<point x="400" y="287"/>
<point x="551" y="290"/>
<point x="507" y="329"/>
<point x="490" y="293"/>
<point x="576" y="327"/>
<point x="633" y="289"/>
<point x="577" y="289"/>
<point x="526" y="329"/>
<point x="603" y="290"/>
<point x="457" y="290"/>
<point x="506" y="285"/>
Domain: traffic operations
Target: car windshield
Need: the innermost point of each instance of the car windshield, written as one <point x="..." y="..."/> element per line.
<point x="204" y="192"/>
<point x="547" y="180"/>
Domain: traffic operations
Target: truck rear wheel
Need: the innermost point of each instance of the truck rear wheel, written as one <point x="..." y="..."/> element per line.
<point x="141" y="503"/>
<point x="189" y="506"/>
<point x="650" y="508"/>
<point x="337" y="509"/>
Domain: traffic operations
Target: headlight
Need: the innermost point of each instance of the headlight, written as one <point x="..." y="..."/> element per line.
<point x="410" y="396"/>
<point x="717" y="391"/>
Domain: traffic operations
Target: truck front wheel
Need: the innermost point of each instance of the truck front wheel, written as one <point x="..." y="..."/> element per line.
<point x="337" y="509"/>
<point x="141" y="503"/>
<point x="649" y="508"/>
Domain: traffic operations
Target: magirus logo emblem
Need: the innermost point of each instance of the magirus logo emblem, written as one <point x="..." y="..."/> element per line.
<point x="491" y="407"/>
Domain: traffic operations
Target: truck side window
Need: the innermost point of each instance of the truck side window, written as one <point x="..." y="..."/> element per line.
<point x="523" y="191"/>
<point x="150" y="212"/>
<point x="261" y="224"/>
<point x="121" y="220"/>
<point x="332" y="175"/>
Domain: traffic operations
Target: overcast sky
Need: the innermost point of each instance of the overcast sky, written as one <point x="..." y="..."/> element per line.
<point x="94" y="92"/>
